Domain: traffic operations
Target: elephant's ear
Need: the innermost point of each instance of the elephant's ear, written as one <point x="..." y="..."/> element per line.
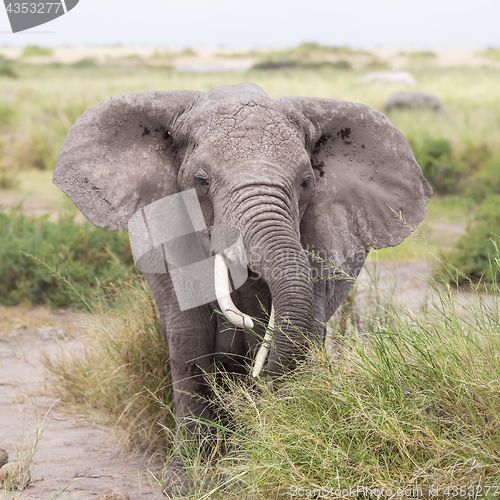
<point x="369" y="191"/>
<point x="122" y="154"/>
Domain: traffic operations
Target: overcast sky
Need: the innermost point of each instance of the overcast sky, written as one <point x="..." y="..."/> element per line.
<point x="413" y="24"/>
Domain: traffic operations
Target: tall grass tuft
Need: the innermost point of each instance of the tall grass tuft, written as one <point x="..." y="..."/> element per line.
<point x="121" y="374"/>
<point x="411" y="402"/>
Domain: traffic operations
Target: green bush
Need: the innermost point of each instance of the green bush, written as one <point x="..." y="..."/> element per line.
<point x="307" y="56"/>
<point x="7" y="72"/>
<point x="492" y="53"/>
<point x="316" y="48"/>
<point x="475" y="251"/>
<point x="80" y="252"/>
<point x="483" y="181"/>
<point x="7" y="112"/>
<point x="86" y="62"/>
<point x="8" y="180"/>
<point x="471" y="169"/>
<point x="35" y="50"/>
<point x="436" y="160"/>
<point x="420" y="54"/>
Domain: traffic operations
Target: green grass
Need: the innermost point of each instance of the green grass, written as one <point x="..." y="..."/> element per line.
<point x="44" y="260"/>
<point x="122" y="374"/>
<point x="36" y="185"/>
<point x="411" y="401"/>
<point x="48" y="100"/>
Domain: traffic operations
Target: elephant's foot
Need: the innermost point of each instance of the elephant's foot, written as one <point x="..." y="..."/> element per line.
<point x="178" y="482"/>
<point x="182" y="481"/>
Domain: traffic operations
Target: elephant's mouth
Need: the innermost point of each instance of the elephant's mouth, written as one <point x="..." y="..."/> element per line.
<point x="234" y="315"/>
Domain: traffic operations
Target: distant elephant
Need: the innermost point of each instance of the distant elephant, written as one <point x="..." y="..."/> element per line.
<point x="326" y="176"/>
<point x="409" y="100"/>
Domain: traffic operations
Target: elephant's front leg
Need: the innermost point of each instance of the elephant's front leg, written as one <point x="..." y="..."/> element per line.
<point x="191" y="344"/>
<point x="191" y="355"/>
<point x="190" y="337"/>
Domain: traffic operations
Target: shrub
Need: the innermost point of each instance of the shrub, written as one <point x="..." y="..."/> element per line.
<point x="483" y="181"/>
<point x="376" y="63"/>
<point x="436" y="160"/>
<point x="472" y="169"/>
<point x="420" y="54"/>
<point x="475" y="250"/>
<point x="8" y="180"/>
<point x="7" y="72"/>
<point x="316" y="48"/>
<point x="35" y="50"/>
<point x="7" y="113"/>
<point x="80" y="252"/>
<point x="86" y="62"/>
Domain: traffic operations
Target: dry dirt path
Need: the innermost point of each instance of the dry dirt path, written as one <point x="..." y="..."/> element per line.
<point x="72" y="451"/>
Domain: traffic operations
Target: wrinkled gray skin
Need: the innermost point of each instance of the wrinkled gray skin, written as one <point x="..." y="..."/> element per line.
<point x="409" y="100"/>
<point x="329" y="176"/>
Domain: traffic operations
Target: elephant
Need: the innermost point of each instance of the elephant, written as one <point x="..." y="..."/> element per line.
<point x="310" y="185"/>
<point x="409" y="100"/>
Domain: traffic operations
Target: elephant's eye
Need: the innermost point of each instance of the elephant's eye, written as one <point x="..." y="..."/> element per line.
<point x="201" y="178"/>
<point x="306" y="181"/>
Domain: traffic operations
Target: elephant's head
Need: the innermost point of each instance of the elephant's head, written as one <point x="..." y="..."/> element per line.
<point x="322" y="174"/>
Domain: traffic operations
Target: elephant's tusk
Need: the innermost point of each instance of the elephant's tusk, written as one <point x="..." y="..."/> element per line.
<point x="260" y="359"/>
<point x="221" y="282"/>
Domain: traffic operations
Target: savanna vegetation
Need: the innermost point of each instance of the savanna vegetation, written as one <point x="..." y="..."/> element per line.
<point x="407" y="400"/>
<point x="43" y="259"/>
<point x="399" y="401"/>
<point x="459" y="150"/>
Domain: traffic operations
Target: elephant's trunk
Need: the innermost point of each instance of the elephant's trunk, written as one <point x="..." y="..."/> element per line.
<point x="272" y="242"/>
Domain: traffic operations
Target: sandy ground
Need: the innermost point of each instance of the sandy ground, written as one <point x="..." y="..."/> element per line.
<point x="84" y="458"/>
<point x="404" y="282"/>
